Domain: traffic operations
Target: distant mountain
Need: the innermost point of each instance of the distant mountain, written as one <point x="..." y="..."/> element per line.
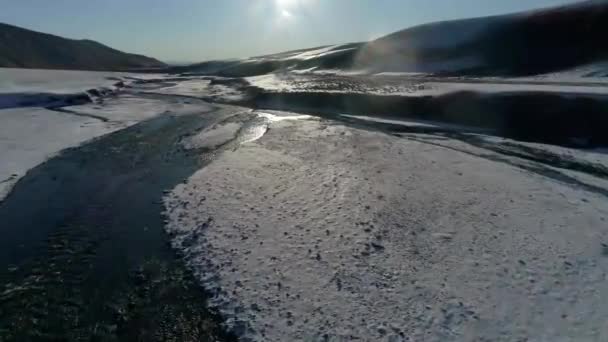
<point x="526" y="43"/>
<point x="21" y="48"/>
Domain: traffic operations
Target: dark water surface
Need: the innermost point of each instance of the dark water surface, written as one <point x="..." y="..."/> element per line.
<point x="83" y="254"/>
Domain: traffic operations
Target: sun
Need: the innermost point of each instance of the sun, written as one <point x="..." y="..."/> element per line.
<point x="292" y="10"/>
<point x="286" y="8"/>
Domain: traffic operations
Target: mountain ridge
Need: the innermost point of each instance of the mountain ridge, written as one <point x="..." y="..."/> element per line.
<point x="24" y="48"/>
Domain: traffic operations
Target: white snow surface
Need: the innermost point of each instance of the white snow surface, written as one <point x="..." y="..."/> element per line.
<point x="596" y="156"/>
<point x="199" y="88"/>
<point x="416" y="123"/>
<point x="128" y="109"/>
<point x="322" y="232"/>
<point x="405" y="84"/>
<point x="30" y="136"/>
<point x="276" y="116"/>
<point x="320" y="53"/>
<point x="48" y="88"/>
<point x="301" y="55"/>
<point x="194" y="87"/>
<point x="214" y="136"/>
<point x="294" y="82"/>
<point x="54" y="81"/>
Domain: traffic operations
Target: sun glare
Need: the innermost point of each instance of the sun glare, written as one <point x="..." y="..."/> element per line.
<point x="288" y="8"/>
<point x="290" y="12"/>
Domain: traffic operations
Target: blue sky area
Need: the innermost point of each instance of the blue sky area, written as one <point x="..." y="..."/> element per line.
<point x="197" y="30"/>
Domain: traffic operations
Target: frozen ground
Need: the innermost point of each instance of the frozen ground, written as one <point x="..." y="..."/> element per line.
<point x="415" y="123"/>
<point x="319" y="231"/>
<point x="304" y="228"/>
<point x="56" y="81"/>
<point x="193" y="86"/>
<point x="29" y="136"/>
<point x="426" y="85"/>
<point x="56" y="88"/>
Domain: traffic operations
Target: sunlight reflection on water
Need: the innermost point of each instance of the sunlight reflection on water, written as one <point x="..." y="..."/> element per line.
<point x="257" y="128"/>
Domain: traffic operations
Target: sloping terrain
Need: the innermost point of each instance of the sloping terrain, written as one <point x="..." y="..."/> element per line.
<point x="333" y="197"/>
<point x="520" y="44"/>
<point x="325" y="57"/>
<point x="400" y="229"/>
<point x="320" y="231"/>
<point x="22" y="48"/>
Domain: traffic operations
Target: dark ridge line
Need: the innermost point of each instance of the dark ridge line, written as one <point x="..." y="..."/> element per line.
<point x="12" y="177"/>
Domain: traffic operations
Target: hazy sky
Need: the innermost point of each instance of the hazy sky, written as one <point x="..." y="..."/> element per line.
<point x="196" y="30"/>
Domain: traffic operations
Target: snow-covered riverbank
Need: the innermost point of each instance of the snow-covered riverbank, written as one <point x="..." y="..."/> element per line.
<point x="360" y="227"/>
<point x="320" y="231"/>
<point x="31" y="133"/>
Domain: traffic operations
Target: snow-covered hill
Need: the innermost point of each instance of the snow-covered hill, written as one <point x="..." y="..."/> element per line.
<point x="529" y="43"/>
